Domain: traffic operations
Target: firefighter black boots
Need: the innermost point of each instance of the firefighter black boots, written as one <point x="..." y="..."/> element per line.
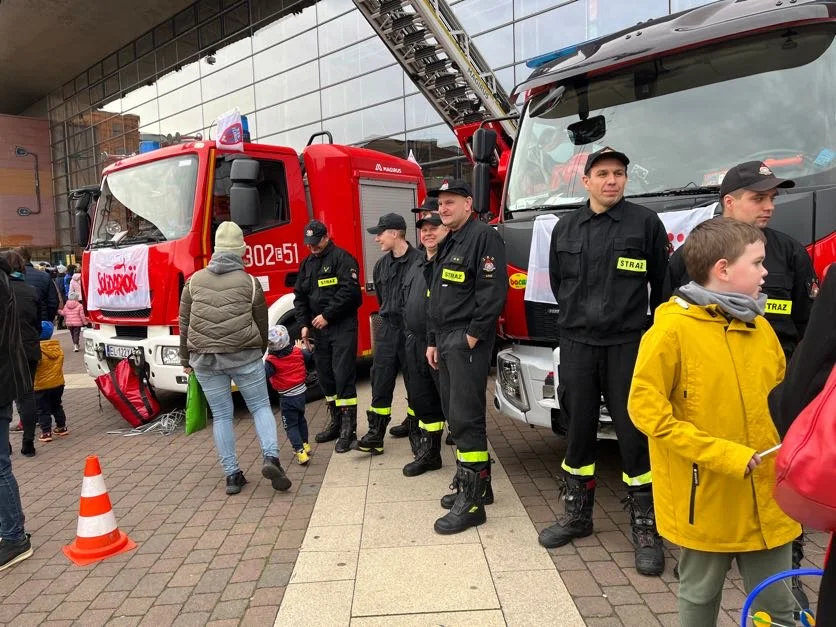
<point x="414" y="434"/>
<point x="348" y="429"/>
<point x="469" y="507"/>
<point x="579" y="499"/>
<point x="650" y="555"/>
<point x="448" y="499"/>
<point x="428" y="455"/>
<point x="401" y="430"/>
<point x="372" y="442"/>
<point x="332" y="429"/>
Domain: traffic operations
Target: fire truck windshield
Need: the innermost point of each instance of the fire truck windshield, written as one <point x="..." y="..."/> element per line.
<point x="151" y="202"/>
<point x="685" y="119"/>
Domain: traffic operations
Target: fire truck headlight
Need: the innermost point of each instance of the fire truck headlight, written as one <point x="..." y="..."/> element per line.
<point x="89" y="346"/>
<point x="170" y="355"/>
<point x="511" y="380"/>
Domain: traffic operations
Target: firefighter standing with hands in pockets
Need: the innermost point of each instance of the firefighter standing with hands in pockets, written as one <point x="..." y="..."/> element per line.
<point x="468" y="286"/>
<point x="602" y="258"/>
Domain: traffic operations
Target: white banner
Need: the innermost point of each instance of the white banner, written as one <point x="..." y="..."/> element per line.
<point x="119" y="279"/>
<point x="231" y="131"/>
<point x="679" y="223"/>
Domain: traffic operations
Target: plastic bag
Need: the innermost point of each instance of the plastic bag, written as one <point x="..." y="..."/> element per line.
<point x="197" y="409"/>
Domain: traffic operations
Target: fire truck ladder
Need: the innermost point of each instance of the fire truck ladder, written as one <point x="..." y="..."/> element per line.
<point x="437" y="54"/>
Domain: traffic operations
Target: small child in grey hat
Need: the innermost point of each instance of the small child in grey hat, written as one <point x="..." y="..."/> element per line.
<point x="286" y="372"/>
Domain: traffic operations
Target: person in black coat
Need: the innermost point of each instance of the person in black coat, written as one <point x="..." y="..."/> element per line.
<point x="29" y="318"/>
<point x="42" y="282"/>
<point x="807" y="373"/>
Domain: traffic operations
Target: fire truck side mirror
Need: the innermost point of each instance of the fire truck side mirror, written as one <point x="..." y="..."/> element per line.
<point x="81" y="203"/>
<point x="484" y="145"/>
<point x="244" y="202"/>
<point x="481" y="187"/>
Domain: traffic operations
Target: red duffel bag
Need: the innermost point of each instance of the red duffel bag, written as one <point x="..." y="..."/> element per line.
<point x="127" y="389"/>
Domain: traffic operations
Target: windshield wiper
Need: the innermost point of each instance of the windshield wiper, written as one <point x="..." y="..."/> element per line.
<point x="680" y="191"/>
<point x="140" y="239"/>
<point x="102" y="244"/>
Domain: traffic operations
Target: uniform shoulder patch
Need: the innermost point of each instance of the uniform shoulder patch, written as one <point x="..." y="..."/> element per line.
<point x="488" y="264"/>
<point x="354" y="273"/>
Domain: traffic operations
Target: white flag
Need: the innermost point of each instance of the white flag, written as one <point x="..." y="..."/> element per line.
<point x="231" y="131"/>
<point x="679" y="223"/>
<point x="411" y="157"/>
<point x="119" y="279"/>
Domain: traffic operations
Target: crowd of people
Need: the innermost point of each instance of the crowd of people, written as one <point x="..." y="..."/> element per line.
<point x="685" y="350"/>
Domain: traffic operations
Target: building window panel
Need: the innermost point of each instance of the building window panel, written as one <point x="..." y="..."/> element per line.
<point x="94" y="73"/>
<point x="244" y="99"/>
<point x="129" y="76"/>
<point x="227" y="54"/>
<point x="184" y="20"/>
<point x="343" y="31"/>
<point x="363" y="57"/>
<point x="297" y="112"/>
<point x="480" y="15"/>
<point x="210" y="33"/>
<point x="145" y="44"/>
<point x="295" y="82"/>
<point x="608" y="16"/>
<point x="127" y="55"/>
<point x="284" y="28"/>
<point x="166" y="56"/>
<point x="227" y="80"/>
<point x="682" y="5"/>
<point x="505" y="76"/>
<point x="236" y="20"/>
<point x="295" y="138"/>
<point x="362" y="126"/>
<point x="171" y="81"/>
<point x="419" y="112"/>
<point x="207" y="9"/>
<point x="550" y="31"/>
<point x="329" y="9"/>
<point x="110" y="65"/>
<point x="180" y="100"/>
<point x="147" y="112"/>
<point x="497" y="47"/>
<point x="188" y="46"/>
<point x="186" y="122"/>
<point x="361" y="92"/>
<point x="286" y="55"/>
<point x="527" y="7"/>
<point x="163" y="33"/>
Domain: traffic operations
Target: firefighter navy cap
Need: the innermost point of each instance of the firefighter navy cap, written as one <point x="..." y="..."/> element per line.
<point x="456" y="186"/>
<point x="433" y="219"/>
<point x="752" y="175"/>
<point x="430" y="204"/>
<point x="314" y="232"/>
<point x="386" y="222"/>
<point x="605" y="153"/>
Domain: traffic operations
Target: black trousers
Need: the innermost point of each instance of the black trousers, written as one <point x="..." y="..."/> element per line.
<point x="27" y="407"/>
<point x="422" y="384"/>
<point x="585" y="372"/>
<point x="389" y="359"/>
<point x="336" y="361"/>
<point x="50" y="405"/>
<point x="463" y="381"/>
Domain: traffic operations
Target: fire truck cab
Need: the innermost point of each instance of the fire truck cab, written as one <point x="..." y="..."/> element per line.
<point x="154" y="221"/>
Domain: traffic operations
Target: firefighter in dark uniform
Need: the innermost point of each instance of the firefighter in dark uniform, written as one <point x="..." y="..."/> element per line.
<point x="422" y="381"/>
<point x="602" y="258"/>
<point x="327" y="297"/>
<point x="747" y="194"/>
<point x="389" y="356"/>
<point x="468" y="286"/>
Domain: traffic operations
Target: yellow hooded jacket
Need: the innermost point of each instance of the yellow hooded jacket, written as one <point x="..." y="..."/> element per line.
<point x="699" y="393"/>
<point x="50" y="372"/>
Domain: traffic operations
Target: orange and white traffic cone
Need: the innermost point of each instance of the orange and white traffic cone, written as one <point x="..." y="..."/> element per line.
<point x="97" y="537"/>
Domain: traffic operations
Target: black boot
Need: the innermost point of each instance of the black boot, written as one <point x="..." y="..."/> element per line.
<point x="414" y="434"/>
<point x="797" y="587"/>
<point x="449" y="439"/>
<point x="372" y="442"/>
<point x="235" y="482"/>
<point x="401" y="430"/>
<point x="428" y="456"/>
<point x="332" y="429"/>
<point x="469" y="509"/>
<point x="448" y="499"/>
<point x="579" y="498"/>
<point x="273" y="471"/>
<point x="650" y="552"/>
<point x="27" y="448"/>
<point x="348" y="429"/>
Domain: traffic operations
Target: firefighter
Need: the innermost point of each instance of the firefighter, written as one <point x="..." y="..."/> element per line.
<point x="602" y="258"/>
<point x="422" y="381"/>
<point x="388" y="273"/>
<point x="747" y="193"/>
<point x="327" y="297"/>
<point x="468" y="286"/>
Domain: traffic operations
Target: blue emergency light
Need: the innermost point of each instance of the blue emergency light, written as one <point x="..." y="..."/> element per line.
<point x="147" y="145"/>
<point x="245" y="125"/>
<point x="536" y="62"/>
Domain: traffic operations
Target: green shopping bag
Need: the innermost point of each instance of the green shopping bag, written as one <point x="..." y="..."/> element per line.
<point x="197" y="409"/>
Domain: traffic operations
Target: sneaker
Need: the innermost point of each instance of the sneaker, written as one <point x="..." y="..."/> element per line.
<point x="273" y="471"/>
<point x="75" y="348"/>
<point x="62" y="431"/>
<point x="234" y="482"/>
<point x="12" y="553"/>
<point x="17" y="428"/>
<point x="302" y="457"/>
<point x="46" y="436"/>
<point x="306" y="447"/>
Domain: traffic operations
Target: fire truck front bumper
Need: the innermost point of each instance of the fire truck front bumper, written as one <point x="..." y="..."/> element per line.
<point x="103" y="349"/>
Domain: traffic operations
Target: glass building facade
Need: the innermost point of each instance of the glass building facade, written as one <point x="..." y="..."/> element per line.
<point x="294" y="68"/>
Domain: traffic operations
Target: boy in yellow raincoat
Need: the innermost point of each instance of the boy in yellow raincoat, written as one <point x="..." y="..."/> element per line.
<point x="699" y="393"/>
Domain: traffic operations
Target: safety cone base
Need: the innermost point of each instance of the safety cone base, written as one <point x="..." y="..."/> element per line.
<point x="83" y="557"/>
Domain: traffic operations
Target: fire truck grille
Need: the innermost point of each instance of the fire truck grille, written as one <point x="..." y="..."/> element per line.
<point x="542" y="320"/>
<point x="129" y="313"/>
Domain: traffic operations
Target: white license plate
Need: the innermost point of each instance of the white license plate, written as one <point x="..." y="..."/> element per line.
<point x="120" y="352"/>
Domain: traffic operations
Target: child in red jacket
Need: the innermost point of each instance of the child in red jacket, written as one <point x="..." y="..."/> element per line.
<point x="74" y="317"/>
<point x="286" y="372"/>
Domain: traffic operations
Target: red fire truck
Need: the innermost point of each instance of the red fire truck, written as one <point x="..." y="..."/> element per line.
<point x="151" y="223"/>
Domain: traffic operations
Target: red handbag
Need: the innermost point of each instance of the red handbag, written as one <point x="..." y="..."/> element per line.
<point x="128" y="390"/>
<point x="806" y="466"/>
